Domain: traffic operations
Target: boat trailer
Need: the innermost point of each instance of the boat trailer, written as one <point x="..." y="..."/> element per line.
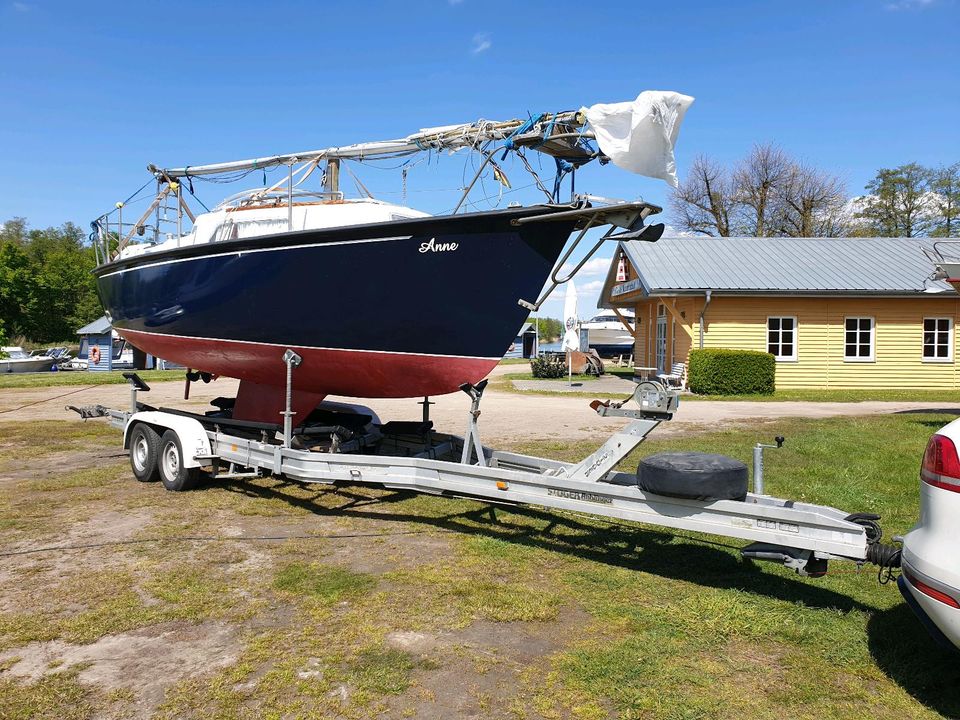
<point x="350" y="446"/>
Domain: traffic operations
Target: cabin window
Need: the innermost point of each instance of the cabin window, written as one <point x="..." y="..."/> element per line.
<point x="782" y="338"/>
<point x="937" y="339"/>
<point x="858" y="339"/>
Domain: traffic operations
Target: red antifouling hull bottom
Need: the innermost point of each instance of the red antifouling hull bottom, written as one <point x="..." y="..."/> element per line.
<point x="322" y="372"/>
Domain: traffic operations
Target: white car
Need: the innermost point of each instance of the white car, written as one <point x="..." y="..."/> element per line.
<point x="930" y="578"/>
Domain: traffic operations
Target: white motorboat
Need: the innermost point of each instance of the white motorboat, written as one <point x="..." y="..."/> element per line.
<point x="608" y="335"/>
<point x="14" y="359"/>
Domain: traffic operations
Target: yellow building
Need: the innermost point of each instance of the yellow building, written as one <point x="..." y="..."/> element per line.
<point x="836" y="313"/>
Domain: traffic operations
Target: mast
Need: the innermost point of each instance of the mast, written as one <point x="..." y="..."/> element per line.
<point x="331" y="179"/>
<point x="554" y="134"/>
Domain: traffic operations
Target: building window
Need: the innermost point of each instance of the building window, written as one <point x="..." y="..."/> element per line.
<point x="858" y="339"/>
<point x="782" y="337"/>
<point x="938" y="339"/>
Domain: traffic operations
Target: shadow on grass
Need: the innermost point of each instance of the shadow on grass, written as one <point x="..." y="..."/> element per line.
<point x="897" y="641"/>
<point x="903" y="650"/>
<point x="666" y="554"/>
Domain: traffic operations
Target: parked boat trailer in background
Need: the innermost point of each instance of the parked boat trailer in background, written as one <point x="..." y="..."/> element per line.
<point x="349" y="445"/>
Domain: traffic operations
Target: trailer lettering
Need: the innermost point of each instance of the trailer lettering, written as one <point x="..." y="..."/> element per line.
<point x="576" y="495"/>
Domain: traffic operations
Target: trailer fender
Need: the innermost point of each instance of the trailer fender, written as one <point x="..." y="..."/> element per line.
<point x="193" y="438"/>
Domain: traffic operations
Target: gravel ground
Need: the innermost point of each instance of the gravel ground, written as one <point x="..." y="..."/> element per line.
<point x="538" y="417"/>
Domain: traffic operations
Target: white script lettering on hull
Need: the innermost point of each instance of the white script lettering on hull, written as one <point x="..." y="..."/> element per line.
<point x="434" y="246"/>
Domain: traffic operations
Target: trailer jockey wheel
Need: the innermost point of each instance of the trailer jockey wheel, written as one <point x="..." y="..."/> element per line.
<point x="173" y="474"/>
<point x="144" y="452"/>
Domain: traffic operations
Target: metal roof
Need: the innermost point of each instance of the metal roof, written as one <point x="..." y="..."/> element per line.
<point x="100" y="326"/>
<point x="867" y="266"/>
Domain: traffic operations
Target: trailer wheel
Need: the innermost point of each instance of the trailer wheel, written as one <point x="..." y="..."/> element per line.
<point x="144" y="452"/>
<point x="173" y="474"/>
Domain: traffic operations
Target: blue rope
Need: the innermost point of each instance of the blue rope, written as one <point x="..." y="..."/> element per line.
<point x="546" y="133"/>
<point x="563" y="167"/>
<point x="509" y="144"/>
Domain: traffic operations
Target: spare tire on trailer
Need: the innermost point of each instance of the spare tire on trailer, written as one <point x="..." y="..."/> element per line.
<point x="693" y="475"/>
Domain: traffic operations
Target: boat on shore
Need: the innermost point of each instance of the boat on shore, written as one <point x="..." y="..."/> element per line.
<point x="377" y="299"/>
<point x="608" y="335"/>
<point x="14" y="359"/>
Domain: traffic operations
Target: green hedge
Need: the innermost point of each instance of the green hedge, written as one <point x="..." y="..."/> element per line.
<point x="718" y="371"/>
<point x="548" y="367"/>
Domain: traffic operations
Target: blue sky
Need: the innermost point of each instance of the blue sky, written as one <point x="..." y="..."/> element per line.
<point x="91" y="92"/>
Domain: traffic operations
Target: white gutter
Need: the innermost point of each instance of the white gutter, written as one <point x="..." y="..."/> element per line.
<point x="706" y="304"/>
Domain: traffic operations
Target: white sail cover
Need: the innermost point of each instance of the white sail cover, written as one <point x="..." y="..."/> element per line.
<point x="639" y="136"/>
<point x="571" y="338"/>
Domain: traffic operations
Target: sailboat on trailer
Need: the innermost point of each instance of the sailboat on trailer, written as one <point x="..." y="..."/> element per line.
<point x="378" y="299"/>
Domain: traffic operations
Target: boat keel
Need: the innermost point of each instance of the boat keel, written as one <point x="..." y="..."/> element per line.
<point x="266" y="403"/>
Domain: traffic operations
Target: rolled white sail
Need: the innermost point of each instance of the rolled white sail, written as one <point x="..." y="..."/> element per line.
<point x="640" y="136"/>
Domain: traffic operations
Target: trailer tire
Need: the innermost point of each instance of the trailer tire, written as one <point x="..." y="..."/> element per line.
<point x="693" y="475"/>
<point x="174" y="476"/>
<point x="144" y="453"/>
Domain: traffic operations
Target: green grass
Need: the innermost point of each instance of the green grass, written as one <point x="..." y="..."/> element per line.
<point x="83" y="377"/>
<point x="612" y="619"/>
<point x="328" y="584"/>
<point x="843" y="395"/>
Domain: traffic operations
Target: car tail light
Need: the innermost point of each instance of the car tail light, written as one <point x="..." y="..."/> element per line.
<point x="941" y="465"/>
<point x="931" y="591"/>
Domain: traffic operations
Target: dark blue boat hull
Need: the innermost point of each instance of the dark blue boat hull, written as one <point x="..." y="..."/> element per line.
<point x="396" y="309"/>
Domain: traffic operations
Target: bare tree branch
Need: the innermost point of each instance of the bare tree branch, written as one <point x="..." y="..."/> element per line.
<point x="703" y="203"/>
<point x="756" y="181"/>
<point x="810" y="203"/>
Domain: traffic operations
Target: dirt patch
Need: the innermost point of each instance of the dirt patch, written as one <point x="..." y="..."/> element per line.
<point x="146" y="661"/>
<point x="477" y="671"/>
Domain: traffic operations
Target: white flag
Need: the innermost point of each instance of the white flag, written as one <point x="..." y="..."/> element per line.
<point x="571" y="338"/>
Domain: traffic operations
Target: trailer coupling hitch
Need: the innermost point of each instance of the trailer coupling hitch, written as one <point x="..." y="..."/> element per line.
<point x="806" y="562"/>
<point x="86" y="412"/>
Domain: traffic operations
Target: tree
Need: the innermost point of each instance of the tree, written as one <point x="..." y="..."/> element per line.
<point x="811" y="203"/>
<point x="758" y="181"/>
<point x="898" y="203"/>
<point x="768" y="193"/>
<point x="705" y="201"/>
<point x="945" y="200"/>
<point x="547" y="328"/>
<point x="47" y="289"/>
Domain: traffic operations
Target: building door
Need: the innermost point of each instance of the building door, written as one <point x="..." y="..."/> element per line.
<point x="661" y="338"/>
<point x="529" y="345"/>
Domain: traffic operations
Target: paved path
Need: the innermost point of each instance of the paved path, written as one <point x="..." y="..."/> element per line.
<point x="607" y="384"/>
<point x="504" y="415"/>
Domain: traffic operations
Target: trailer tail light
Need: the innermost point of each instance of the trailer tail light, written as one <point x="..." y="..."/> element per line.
<point x="941" y="465"/>
<point x="931" y="591"/>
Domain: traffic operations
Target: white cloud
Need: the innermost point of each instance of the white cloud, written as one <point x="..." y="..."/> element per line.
<point x="481" y="43"/>
<point x="21" y="6"/>
<point x="590" y="287"/>
<point x="909" y="4"/>
<point x="454" y="2"/>
<point x="597" y="266"/>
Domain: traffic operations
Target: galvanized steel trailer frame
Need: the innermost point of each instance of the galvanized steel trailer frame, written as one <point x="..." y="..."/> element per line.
<point x="800" y="535"/>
